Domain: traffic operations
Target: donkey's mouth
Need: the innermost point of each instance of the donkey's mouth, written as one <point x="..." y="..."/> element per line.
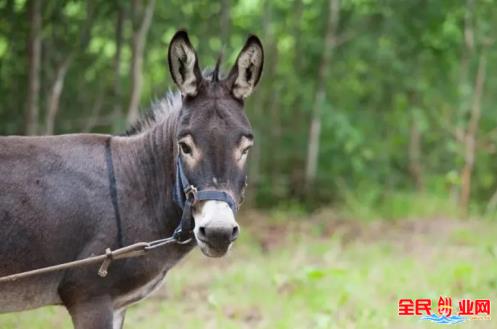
<point x="211" y="250"/>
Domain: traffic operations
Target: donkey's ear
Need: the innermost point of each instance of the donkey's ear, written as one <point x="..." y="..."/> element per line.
<point x="183" y="64"/>
<point x="247" y="70"/>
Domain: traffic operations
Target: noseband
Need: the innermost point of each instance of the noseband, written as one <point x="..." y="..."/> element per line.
<point x="186" y="195"/>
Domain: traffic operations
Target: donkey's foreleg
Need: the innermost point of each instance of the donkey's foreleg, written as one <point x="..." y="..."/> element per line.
<point x="95" y="313"/>
<point x="119" y="318"/>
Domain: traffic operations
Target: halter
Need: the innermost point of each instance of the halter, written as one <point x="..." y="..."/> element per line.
<point x="186" y="195"/>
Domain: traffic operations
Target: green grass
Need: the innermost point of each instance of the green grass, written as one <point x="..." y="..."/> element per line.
<point x="374" y="203"/>
<point x="316" y="272"/>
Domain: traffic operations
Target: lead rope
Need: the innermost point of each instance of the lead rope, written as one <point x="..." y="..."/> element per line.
<point x="135" y="250"/>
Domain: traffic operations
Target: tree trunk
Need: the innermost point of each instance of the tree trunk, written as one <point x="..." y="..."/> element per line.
<point x="415" y="166"/>
<point x="255" y="163"/>
<point x="7" y="13"/>
<point x="56" y="92"/>
<point x="61" y="70"/>
<point x="34" y="53"/>
<point x="139" y="38"/>
<point x="116" y="86"/>
<point x="297" y="159"/>
<point x="464" y="85"/>
<point x="320" y="96"/>
<point x="93" y="120"/>
<point x="491" y="205"/>
<point x="414" y="149"/>
<point x="470" y="139"/>
<point x="469" y="43"/>
<point x="224" y="22"/>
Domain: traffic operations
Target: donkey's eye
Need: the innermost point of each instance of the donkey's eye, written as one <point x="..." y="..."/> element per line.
<point x="246" y="150"/>
<point x="185" y="148"/>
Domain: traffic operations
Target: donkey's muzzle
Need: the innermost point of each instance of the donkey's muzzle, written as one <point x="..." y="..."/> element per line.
<point x="215" y="227"/>
<point x="218" y="235"/>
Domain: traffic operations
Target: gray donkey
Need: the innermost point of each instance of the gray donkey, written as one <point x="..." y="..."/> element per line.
<point x="64" y="198"/>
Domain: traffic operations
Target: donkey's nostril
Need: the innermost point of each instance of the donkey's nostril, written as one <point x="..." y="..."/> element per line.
<point x="235" y="233"/>
<point x="201" y="231"/>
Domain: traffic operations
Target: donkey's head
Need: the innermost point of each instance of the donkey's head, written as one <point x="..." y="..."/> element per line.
<point x="214" y="135"/>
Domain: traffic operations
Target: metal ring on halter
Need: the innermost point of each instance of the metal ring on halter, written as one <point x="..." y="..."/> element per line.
<point x="191" y="193"/>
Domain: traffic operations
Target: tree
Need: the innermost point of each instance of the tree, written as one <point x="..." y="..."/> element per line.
<point x="140" y="30"/>
<point x="470" y="135"/>
<point x="320" y="96"/>
<point x="116" y="86"/>
<point x="62" y="67"/>
<point x="34" y="59"/>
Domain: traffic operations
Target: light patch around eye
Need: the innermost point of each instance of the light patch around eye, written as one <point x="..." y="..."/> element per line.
<point x="192" y="154"/>
<point x="242" y="150"/>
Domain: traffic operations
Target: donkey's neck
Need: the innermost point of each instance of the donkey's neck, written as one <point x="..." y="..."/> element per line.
<point x="145" y="167"/>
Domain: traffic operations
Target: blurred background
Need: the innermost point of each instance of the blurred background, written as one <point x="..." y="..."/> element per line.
<point x="373" y="175"/>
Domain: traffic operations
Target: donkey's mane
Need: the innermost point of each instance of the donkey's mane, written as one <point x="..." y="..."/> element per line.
<point x="160" y="109"/>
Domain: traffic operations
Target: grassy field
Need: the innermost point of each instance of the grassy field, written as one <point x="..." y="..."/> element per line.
<point x="317" y="272"/>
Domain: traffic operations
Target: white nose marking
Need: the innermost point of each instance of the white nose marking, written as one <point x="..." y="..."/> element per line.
<point x="214" y="180"/>
<point x="214" y="214"/>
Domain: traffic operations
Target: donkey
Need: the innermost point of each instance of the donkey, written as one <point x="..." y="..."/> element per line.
<point x="68" y="197"/>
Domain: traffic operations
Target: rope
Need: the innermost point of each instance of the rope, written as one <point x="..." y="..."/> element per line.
<point x="135" y="250"/>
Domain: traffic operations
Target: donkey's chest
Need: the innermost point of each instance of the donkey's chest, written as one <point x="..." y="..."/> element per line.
<point x="147" y="275"/>
<point x="140" y="292"/>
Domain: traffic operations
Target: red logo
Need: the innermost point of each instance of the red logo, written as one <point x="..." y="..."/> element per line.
<point x="445" y="306"/>
<point x="468" y="309"/>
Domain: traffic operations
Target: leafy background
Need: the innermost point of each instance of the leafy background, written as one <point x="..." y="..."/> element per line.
<point x="401" y="94"/>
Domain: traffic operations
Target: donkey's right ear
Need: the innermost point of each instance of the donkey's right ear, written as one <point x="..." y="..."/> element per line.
<point x="183" y="64"/>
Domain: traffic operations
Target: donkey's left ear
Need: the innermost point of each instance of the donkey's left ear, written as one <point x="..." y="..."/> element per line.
<point x="247" y="70"/>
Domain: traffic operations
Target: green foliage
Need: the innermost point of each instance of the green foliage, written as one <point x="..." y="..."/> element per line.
<point x="395" y="64"/>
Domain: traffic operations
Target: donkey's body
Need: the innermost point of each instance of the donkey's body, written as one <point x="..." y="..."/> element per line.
<point x="69" y="197"/>
<point x="60" y="210"/>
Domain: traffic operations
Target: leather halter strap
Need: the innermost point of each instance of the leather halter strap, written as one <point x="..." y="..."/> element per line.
<point x="113" y="190"/>
<point x="186" y="195"/>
